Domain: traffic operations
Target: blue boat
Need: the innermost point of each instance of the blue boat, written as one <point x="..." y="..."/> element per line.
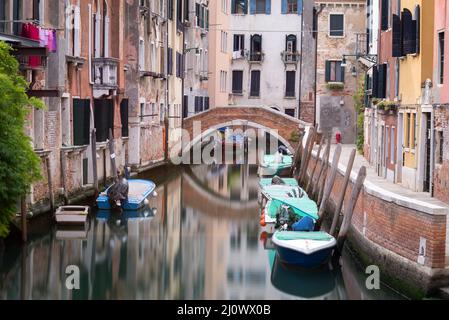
<point x="305" y="249"/>
<point x="139" y="192"/>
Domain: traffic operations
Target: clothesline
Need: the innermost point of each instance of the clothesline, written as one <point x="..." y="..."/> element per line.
<point x="36" y="22"/>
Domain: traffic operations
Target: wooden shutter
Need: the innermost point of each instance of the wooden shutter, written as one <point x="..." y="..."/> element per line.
<point x="185" y="107"/>
<point x="384" y="17"/>
<point x="81" y="122"/>
<point x="170" y="61"/>
<point x="255" y="83"/>
<point x="233" y="7"/>
<point x="418" y="29"/>
<point x="77" y="33"/>
<point x="267" y="6"/>
<point x="124" y="115"/>
<point x="284" y="7"/>
<point x="290" y="84"/>
<point x="342" y="71"/>
<point x="237" y="81"/>
<point x="170" y="9"/>
<point x="328" y="71"/>
<point x="252" y="6"/>
<point x="375" y="92"/>
<point x="382" y="76"/>
<point x="397" y="37"/>
<point x="300" y="7"/>
<point x="408" y="33"/>
<point x="206" y="103"/>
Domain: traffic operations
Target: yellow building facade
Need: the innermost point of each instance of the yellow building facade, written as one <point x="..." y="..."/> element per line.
<point x="415" y="110"/>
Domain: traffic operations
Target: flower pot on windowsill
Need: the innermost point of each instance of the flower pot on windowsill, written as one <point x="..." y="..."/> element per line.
<point x="335" y="86"/>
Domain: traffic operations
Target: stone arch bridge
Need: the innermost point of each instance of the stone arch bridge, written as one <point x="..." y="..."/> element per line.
<point x="281" y="126"/>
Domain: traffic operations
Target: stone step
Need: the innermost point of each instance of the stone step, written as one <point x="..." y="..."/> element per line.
<point x="443" y="293"/>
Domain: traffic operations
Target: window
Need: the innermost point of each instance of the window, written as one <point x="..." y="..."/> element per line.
<point x="334" y="71"/>
<point x="186" y="10"/>
<point x="397" y="78"/>
<point x="224" y="6"/>
<point x="17" y="16"/>
<point x="439" y="146"/>
<point x="239" y="7"/>
<point x="237" y="81"/>
<point x="239" y="44"/>
<point x="124" y="115"/>
<point x="292" y="6"/>
<point x="407" y="130"/>
<point x="255" y="83"/>
<point x="141" y="55"/>
<point x="104" y="118"/>
<point x="387" y="81"/>
<point x="261" y="6"/>
<point x="256" y="48"/>
<point x="81" y="122"/>
<point x="2" y="15"/>
<point x="290" y="112"/>
<point x="206" y="103"/>
<point x="392" y="145"/>
<point x="290" y="84"/>
<point x="441" y="57"/>
<point x="223" y="81"/>
<point x="290" y="43"/>
<point x="170" y="9"/>
<point x="224" y="41"/>
<point x="336" y="25"/>
<point x="180" y="70"/>
<point x="170" y="61"/>
<point x="385" y="14"/>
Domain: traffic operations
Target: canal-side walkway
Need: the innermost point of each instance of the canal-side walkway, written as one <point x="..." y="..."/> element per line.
<point x="403" y="232"/>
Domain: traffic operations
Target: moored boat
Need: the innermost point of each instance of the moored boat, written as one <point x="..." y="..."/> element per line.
<point x="72" y="215"/>
<point x="277" y="164"/>
<point x="305" y="249"/>
<point x="138" y="194"/>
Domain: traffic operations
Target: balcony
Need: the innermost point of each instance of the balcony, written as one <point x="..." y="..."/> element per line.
<point x="105" y="73"/>
<point x="290" y="57"/>
<point x="204" y="75"/>
<point x="256" y="57"/>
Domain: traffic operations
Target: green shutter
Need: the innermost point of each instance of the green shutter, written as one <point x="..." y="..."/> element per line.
<point x="328" y="71"/>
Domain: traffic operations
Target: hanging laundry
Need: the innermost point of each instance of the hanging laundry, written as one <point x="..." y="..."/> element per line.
<point x="30" y="31"/>
<point x="52" y="41"/>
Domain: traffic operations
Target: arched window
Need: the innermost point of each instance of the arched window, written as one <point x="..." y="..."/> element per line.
<point x="256" y="47"/>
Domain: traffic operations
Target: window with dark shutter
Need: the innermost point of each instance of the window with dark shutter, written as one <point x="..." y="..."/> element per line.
<point x="375" y="93"/>
<point x="81" y="122"/>
<point x="124" y="115"/>
<point x="170" y="9"/>
<point x="441" y="50"/>
<point x="206" y="103"/>
<point x="408" y="33"/>
<point x="104" y="118"/>
<point x="336" y="25"/>
<point x="170" y="61"/>
<point x="290" y="88"/>
<point x="382" y="78"/>
<point x="384" y="14"/>
<point x="397" y="37"/>
<point x="237" y="81"/>
<point x="239" y="6"/>
<point x="334" y="71"/>
<point x="255" y="83"/>
<point x="418" y="29"/>
<point x="185" y="107"/>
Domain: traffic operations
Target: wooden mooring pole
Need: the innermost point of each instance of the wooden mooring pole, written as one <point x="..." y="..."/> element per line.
<point x="23" y="216"/>
<point x="310" y="182"/>
<point x="349" y="210"/>
<point x="297" y="158"/>
<point x="304" y="152"/>
<point x="324" y="164"/>
<point x="330" y="182"/>
<point x="343" y="192"/>
<point x="93" y="142"/>
<point x="63" y="176"/>
<point x="112" y="155"/>
<point x="305" y="164"/>
<point x="50" y="184"/>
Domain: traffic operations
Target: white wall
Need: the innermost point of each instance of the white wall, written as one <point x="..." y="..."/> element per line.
<point x="273" y="28"/>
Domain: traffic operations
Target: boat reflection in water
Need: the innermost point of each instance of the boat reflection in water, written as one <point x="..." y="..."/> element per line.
<point x="201" y="242"/>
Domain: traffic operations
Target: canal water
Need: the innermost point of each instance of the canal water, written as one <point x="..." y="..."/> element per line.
<point x="198" y="239"/>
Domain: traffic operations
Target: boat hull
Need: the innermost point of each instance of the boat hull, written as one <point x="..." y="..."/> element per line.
<point x="293" y="257"/>
<point x="139" y="191"/>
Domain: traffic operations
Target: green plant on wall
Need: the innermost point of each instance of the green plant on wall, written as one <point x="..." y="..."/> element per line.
<point x="359" y="103"/>
<point x="294" y="137"/>
<point x="335" y="86"/>
<point x="19" y="165"/>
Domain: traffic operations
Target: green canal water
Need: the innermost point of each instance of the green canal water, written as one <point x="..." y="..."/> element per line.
<point x="198" y="239"/>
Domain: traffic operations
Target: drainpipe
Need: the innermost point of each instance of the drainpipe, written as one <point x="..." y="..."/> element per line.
<point x="432" y="150"/>
<point x="167" y="91"/>
<point x="316" y="60"/>
<point x="300" y="59"/>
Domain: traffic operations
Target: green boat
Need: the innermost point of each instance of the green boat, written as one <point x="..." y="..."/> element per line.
<point x="264" y="182"/>
<point x="275" y="165"/>
<point x="303" y="207"/>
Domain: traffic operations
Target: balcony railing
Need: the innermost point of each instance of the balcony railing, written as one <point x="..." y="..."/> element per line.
<point x="290" y="57"/>
<point x="105" y="73"/>
<point x="256" y="57"/>
<point x="204" y="75"/>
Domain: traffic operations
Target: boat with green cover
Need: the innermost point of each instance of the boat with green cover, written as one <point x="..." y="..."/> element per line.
<point x="277" y="164"/>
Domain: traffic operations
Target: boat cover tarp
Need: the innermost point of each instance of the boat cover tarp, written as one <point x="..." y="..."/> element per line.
<point x="284" y="191"/>
<point x="297" y="235"/>
<point x="300" y="206"/>
<point x="270" y="161"/>
<point x="288" y="182"/>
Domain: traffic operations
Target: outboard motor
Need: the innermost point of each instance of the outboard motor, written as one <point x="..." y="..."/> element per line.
<point x="277" y="181"/>
<point x="284" y="150"/>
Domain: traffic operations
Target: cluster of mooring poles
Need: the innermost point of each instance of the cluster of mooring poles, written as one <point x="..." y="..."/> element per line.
<point x="320" y="180"/>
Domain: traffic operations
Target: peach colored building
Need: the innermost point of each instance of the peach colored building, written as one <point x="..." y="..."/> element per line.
<point x="219" y="61"/>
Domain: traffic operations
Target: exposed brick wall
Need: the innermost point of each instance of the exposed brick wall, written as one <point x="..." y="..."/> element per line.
<point x="307" y="112"/>
<point x="441" y="172"/>
<point x="394" y="227"/>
